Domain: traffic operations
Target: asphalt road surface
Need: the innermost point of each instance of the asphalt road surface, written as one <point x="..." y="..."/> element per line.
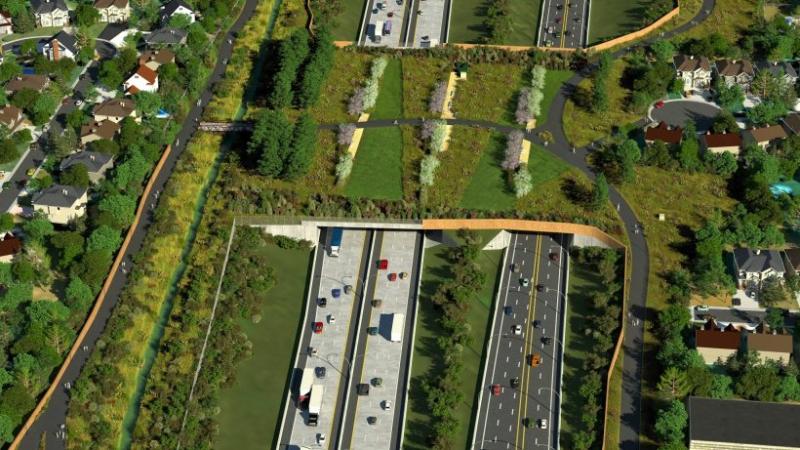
<point x="515" y="418"/>
<point x="54" y="414"/>
<point x="563" y="23"/>
<point x="677" y="113"/>
<point x="400" y="17"/>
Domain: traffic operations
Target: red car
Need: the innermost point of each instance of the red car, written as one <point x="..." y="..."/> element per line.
<point x="553" y="256"/>
<point x="383" y="264"/>
<point x="317" y="327"/>
<point x="392" y="276"/>
<point x="496" y="390"/>
<point x="659" y="104"/>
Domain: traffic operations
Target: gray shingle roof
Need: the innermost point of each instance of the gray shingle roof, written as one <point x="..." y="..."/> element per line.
<point x="59" y="195"/>
<point x="749" y="261"/>
<point x="47" y="6"/>
<point x="779" y="69"/>
<point x="744" y="422"/>
<point x="169" y="36"/>
<point x="67" y="40"/>
<point x="94" y="161"/>
<point x="690" y="63"/>
<point x="112" y="30"/>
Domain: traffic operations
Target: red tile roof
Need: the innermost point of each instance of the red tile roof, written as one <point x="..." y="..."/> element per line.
<point x="664" y="133"/>
<point x="717" y="339"/>
<point x="723" y="140"/>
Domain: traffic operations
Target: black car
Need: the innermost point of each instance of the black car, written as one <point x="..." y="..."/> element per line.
<point x="536" y="324"/>
<point x="320" y="372"/>
<point x="514" y="382"/>
<point x="508" y="310"/>
<point x="546" y="340"/>
<point x="539" y="287"/>
<point x="322" y="302"/>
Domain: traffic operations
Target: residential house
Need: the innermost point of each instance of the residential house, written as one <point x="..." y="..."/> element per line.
<point x="175" y="7"/>
<point x="784" y="70"/>
<point x="722" y="142"/>
<point x="694" y="71"/>
<point x="664" y="133"/>
<point x="11" y="117"/>
<point x="154" y="59"/>
<point x="743" y="425"/>
<point x="792" y="123"/>
<point x="98" y="130"/>
<point x="144" y="79"/>
<point x="10" y="245"/>
<point x="166" y="36"/>
<point x="764" y="136"/>
<point x="774" y="347"/>
<point x="717" y="345"/>
<point x="791" y="260"/>
<point x="113" y="11"/>
<point x="754" y="266"/>
<point x="50" y="13"/>
<point x="35" y="82"/>
<point x="116" y="110"/>
<point x="115" y="33"/>
<point x="97" y="164"/>
<point x="736" y="72"/>
<point x="6" y="25"/>
<point x="62" y="45"/>
<point x="61" y="204"/>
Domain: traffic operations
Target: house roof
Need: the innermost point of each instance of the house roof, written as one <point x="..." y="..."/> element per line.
<point x="768" y="133"/>
<point x="690" y="63"/>
<point x="793" y="255"/>
<point x="732" y="68"/>
<point x="171" y="7"/>
<point x="112" y="30"/>
<point x="5" y="19"/>
<point x="162" y="56"/>
<point x="94" y="161"/>
<point x="48" y="6"/>
<point x="664" y="133"/>
<point x="59" y="195"/>
<point x="717" y="339"/>
<point x="778" y="68"/>
<point x="102" y="4"/>
<point x="9" y="115"/>
<point x="147" y="73"/>
<point x="10" y="245"/>
<point x="723" y="140"/>
<point x="67" y="40"/>
<point x="168" y="36"/>
<point x="115" y="108"/>
<point x="744" y="422"/>
<point x="35" y="82"/>
<point x="105" y="129"/>
<point x="749" y="260"/>
<point x="770" y="342"/>
<point x="792" y="122"/>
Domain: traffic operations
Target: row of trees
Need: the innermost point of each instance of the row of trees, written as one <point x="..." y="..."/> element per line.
<point x="282" y="149"/>
<point x="497" y="22"/>
<point x="303" y="66"/>
<point x="365" y="96"/>
<point x="452" y="299"/>
<point x="529" y="102"/>
<point x="600" y="330"/>
<point x="435" y="132"/>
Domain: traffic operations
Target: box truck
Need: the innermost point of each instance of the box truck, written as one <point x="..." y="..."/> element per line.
<point x="398" y="323"/>
<point x="336" y="241"/>
<point x="315" y="404"/>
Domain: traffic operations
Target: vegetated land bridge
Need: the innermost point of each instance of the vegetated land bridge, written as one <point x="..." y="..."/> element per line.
<point x="224" y="127"/>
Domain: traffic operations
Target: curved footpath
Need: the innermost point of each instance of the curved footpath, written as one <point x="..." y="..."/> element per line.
<point x="54" y="413"/>
<point x="633" y="343"/>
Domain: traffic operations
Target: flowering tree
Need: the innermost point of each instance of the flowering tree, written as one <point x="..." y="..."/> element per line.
<point x="522" y="182"/>
<point x="438" y="137"/>
<point x="356" y="104"/>
<point x="427" y="170"/>
<point x="513" y="150"/>
<point x="535" y="103"/>
<point x="436" y="103"/>
<point x="538" y="74"/>
<point x="344" y="167"/>
<point x="523" y="114"/>
<point x="345" y="134"/>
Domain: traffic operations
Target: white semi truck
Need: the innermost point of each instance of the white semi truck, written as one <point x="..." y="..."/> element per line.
<point x="315" y="404"/>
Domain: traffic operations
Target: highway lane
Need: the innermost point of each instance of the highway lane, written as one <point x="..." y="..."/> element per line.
<point x="54" y="414"/>
<point x="563" y="23"/>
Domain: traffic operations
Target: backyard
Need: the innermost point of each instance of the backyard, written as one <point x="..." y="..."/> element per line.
<point x="425" y="363"/>
<point x="251" y="409"/>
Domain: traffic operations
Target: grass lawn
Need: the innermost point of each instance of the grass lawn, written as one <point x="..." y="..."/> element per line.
<point x="553" y="82"/>
<point x="685" y="199"/>
<point x="378" y="166"/>
<point x="252" y="407"/>
<point x="545" y="166"/>
<point x="615" y="405"/>
<point x="292" y="15"/>
<point x="413" y="153"/>
<point x="582" y="126"/>
<point x="524" y="22"/>
<point x="729" y="18"/>
<point x="390" y="97"/>
<point x="349" y="20"/>
<point x="498" y="87"/>
<point x="349" y="71"/>
<point x="489" y="187"/>
<point x="466" y="21"/>
<point x="420" y="75"/>
<point x="457" y="166"/>
<point x="612" y="18"/>
<point x="426" y="365"/>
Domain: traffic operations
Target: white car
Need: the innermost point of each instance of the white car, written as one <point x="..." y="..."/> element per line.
<point x="331" y="319"/>
<point x="517" y="329"/>
<point x="320" y="438"/>
<point x="387" y="405"/>
<point x="543" y="424"/>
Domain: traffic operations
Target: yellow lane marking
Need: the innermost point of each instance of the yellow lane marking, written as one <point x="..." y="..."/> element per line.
<point x="523" y="406"/>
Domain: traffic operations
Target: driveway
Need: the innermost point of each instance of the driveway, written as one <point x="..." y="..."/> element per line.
<point x="677" y="112"/>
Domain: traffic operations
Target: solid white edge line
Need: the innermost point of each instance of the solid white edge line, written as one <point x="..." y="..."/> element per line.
<point x="413" y="334"/>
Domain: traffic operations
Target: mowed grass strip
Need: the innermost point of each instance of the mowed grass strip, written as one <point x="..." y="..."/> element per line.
<point x="489" y="188"/>
<point x="390" y="97"/>
<point x="553" y="82"/>
<point x="612" y="18"/>
<point x="457" y="166"/>
<point x="524" y="22"/>
<point x="349" y="71"/>
<point x="490" y="92"/>
<point x="251" y="409"/>
<point x="347" y="23"/>
<point x="427" y="363"/>
<point x="466" y="21"/>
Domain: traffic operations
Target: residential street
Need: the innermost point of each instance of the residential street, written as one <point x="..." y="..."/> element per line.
<point x="54" y="414"/>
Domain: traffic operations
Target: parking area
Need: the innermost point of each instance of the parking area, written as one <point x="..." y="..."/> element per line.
<point x="563" y="23"/>
<point x="326" y="340"/>
<point x="376" y="399"/>
<point x="429" y="23"/>
<point x="386" y="23"/>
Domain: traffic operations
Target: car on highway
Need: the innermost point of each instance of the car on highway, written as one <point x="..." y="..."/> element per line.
<point x="383" y="264"/>
<point x="524" y="282"/>
<point x="516" y="329"/>
<point x="508" y="310"/>
<point x="392" y="276"/>
<point x="403" y="275"/>
<point x="348" y="289"/>
<point x="514" y="383"/>
<point x="543" y="424"/>
<point x="539" y="287"/>
<point x="553" y="256"/>
<point x="515" y="268"/>
<point x="336" y="293"/>
<point x="322" y="302"/>
<point x="546" y="340"/>
<point x="331" y="319"/>
<point x="320" y="371"/>
<point x="372" y="331"/>
<point x="526" y="422"/>
<point x="534" y="359"/>
<point x="537" y="324"/>
<point x="321" y="438"/>
<point x="372" y="420"/>
<point x="387" y="405"/>
<point x="318" y="327"/>
<point x="496" y="390"/>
